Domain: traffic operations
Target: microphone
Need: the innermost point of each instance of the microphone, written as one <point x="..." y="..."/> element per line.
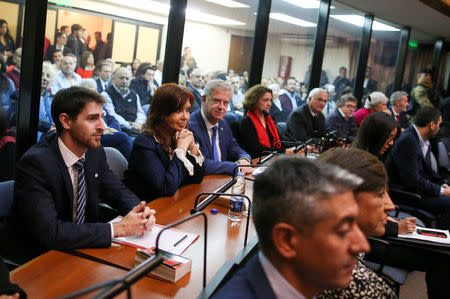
<point x="285" y="132"/>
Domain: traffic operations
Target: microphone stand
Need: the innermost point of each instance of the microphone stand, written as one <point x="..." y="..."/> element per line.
<point x="267" y="158"/>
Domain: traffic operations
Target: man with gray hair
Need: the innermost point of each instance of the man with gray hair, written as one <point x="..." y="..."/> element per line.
<point x="124" y="104"/>
<point x="305" y="217"/>
<point x="221" y="151"/>
<point x="399" y="104"/>
<point x="304" y="120"/>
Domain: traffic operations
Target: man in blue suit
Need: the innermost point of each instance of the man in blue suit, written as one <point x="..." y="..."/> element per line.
<point x="196" y="87"/>
<point x="305" y="217"/>
<point x="399" y="104"/>
<point x="104" y="75"/>
<point x="412" y="166"/>
<point x="61" y="180"/>
<point x="221" y="151"/>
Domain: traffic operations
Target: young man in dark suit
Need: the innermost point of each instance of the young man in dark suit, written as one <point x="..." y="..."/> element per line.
<point x="305" y="217"/>
<point x="303" y="121"/>
<point x="412" y="166"/>
<point x="61" y="180"/>
<point x="213" y="134"/>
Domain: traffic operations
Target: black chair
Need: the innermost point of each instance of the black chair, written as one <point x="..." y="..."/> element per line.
<point x="6" y="201"/>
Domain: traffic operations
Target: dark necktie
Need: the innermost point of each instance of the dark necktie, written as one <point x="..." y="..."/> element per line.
<point x="397" y="117"/>
<point x="81" y="192"/>
<point x="214" y="144"/>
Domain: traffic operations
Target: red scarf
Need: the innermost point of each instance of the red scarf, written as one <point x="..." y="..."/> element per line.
<point x="261" y="131"/>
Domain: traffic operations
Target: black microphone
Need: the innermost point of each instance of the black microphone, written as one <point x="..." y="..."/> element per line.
<point x="265" y="113"/>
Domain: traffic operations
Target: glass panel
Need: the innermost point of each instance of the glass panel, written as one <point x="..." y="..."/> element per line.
<point x="10" y="64"/>
<point x="147" y="44"/>
<point x="289" y="48"/>
<point x="382" y="58"/>
<point x="218" y="37"/>
<point x="340" y="60"/>
<point x="123" y="45"/>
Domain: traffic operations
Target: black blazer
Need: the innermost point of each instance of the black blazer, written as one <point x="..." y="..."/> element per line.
<point x="408" y="169"/>
<point x="198" y="99"/>
<point x="301" y="124"/>
<point x="43" y="199"/>
<point x="403" y="123"/>
<point x="51" y="49"/>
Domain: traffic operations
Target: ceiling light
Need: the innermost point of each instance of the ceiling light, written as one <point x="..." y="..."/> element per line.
<point x="229" y="3"/>
<point x="198" y="16"/>
<point x="291" y="20"/>
<point x="148" y="5"/>
<point x="359" y="21"/>
<point x="306" y="3"/>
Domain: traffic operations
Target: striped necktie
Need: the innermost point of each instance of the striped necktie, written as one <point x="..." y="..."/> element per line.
<point x="81" y="192"/>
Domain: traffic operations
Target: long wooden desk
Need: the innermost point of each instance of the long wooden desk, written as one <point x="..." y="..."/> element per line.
<point x="225" y="239"/>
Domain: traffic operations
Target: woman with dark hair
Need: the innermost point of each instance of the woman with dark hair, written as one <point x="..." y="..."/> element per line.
<point x="144" y="83"/>
<point x="377" y="134"/>
<point x="374" y="203"/>
<point x="165" y="157"/>
<point x="6" y="41"/>
<point x="86" y="69"/>
<point x="257" y="130"/>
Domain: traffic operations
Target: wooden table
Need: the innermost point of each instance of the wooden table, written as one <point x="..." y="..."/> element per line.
<point x="225" y="239"/>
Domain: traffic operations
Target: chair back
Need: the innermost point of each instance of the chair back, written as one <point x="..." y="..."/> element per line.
<point x="6" y="198"/>
<point x="116" y="162"/>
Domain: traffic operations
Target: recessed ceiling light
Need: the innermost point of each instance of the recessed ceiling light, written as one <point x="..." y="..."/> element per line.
<point x="359" y="21"/>
<point x="291" y="20"/>
<point x="196" y="15"/>
<point x="229" y="3"/>
<point x="306" y="3"/>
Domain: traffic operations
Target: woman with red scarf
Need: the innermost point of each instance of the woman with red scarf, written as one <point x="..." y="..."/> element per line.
<point x="257" y="130"/>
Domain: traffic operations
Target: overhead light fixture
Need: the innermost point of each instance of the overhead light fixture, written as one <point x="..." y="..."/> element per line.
<point x="359" y="21"/>
<point x="306" y="3"/>
<point x="229" y="3"/>
<point x="291" y="20"/>
<point x="164" y="9"/>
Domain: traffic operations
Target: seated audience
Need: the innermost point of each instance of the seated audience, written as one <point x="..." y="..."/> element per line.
<point x="374" y="203"/>
<point x="158" y="72"/>
<point x="221" y="151"/>
<point x="57" y="59"/>
<point x="305" y="120"/>
<point x="377" y="134"/>
<point x="103" y="72"/>
<point x="165" y="157"/>
<point x="60" y="181"/>
<point x="14" y="72"/>
<point x="7" y="149"/>
<point x="6" y="41"/>
<point x="6" y="87"/>
<point x="60" y="44"/>
<point x="45" y="115"/>
<point x="305" y="216"/>
<point x="86" y="68"/>
<point x="331" y="104"/>
<point x="276" y="110"/>
<point x="195" y="85"/>
<point x="66" y="77"/>
<point x="342" y="119"/>
<point x="144" y="84"/>
<point x="413" y="167"/>
<point x="341" y="82"/>
<point x="124" y="104"/>
<point x="112" y="136"/>
<point x="375" y="102"/>
<point x="257" y="130"/>
<point x="399" y="104"/>
<point x="288" y="99"/>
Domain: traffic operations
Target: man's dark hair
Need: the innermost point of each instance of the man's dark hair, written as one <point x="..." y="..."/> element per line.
<point x="63" y="28"/>
<point x="143" y="68"/>
<point x="292" y="190"/>
<point x="71" y="101"/>
<point x="59" y="34"/>
<point x="56" y="51"/>
<point x="425" y="115"/>
<point x="190" y="70"/>
<point x="99" y="33"/>
<point x="285" y="82"/>
<point x="75" y="27"/>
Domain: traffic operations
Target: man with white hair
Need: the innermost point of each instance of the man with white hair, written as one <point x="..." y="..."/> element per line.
<point x="123" y="103"/>
<point x="303" y="121"/>
<point x="399" y="104"/>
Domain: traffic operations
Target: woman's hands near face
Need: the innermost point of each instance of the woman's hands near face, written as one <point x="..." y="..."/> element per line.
<point x="185" y="139"/>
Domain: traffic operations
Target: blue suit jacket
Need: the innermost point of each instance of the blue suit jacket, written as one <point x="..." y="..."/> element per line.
<point x="43" y="199"/>
<point x="198" y="99"/>
<point x="248" y="282"/>
<point x="408" y="169"/>
<point x="346" y="129"/>
<point x="151" y="173"/>
<point x="229" y="148"/>
<point x="99" y="85"/>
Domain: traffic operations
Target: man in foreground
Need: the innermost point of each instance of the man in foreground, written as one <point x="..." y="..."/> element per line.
<point x="305" y="217"/>
<point x="61" y="180"/>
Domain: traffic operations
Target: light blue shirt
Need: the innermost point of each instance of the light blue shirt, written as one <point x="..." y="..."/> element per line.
<point x="60" y="82"/>
<point x="280" y="286"/>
